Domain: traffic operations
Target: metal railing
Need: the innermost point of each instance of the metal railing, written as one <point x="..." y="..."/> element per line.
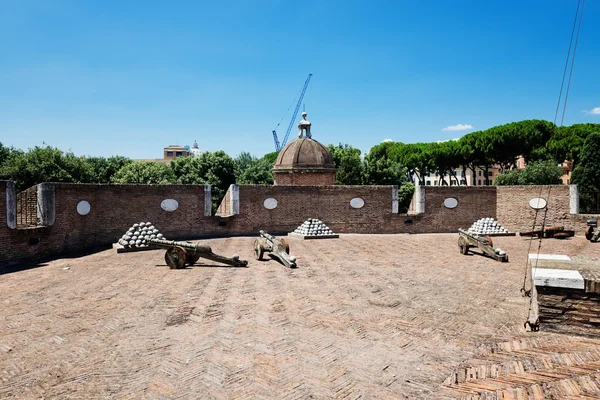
<point x="589" y="202"/>
<point x="27" y="208"/>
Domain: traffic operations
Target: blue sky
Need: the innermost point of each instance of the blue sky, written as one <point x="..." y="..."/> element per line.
<point x="129" y="77"/>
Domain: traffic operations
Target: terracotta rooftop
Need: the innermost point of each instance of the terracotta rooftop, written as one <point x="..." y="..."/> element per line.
<point x="363" y="316"/>
<point x="304" y="153"/>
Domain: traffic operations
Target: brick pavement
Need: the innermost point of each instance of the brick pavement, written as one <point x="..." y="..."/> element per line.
<point x="364" y="316"/>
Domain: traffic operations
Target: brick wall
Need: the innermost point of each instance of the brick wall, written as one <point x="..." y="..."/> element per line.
<point x="331" y="204"/>
<point x="515" y="214"/>
<point x="473" y="203"/>
<point x="304" y="178"/>
<point x="114" y="208"/>
<point x="4" y="229"/>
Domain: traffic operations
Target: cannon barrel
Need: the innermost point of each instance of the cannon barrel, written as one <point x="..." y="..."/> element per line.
<point x="530" y="233"/>
<point x="556" y="232"/>
<point x="174" y="243"/>
<point x="267" y="236"/>
<point x="180" y="254"/>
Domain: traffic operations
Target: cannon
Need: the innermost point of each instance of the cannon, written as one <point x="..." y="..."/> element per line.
<point x="180" y="254"/>
<point x="591" y="235"/>
<point x="556" y="232"/>
<point x="278" y="248"/>
<point x="467" y="240"/>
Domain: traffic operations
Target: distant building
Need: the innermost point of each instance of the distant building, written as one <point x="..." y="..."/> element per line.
<point x="460" y="178"/>
<point x="175" y="151"/>
<point x="195" y="149"/>
<point x="172" y="152"/>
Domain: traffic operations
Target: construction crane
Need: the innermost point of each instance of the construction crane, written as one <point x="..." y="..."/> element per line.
<point x="279" y="146"/>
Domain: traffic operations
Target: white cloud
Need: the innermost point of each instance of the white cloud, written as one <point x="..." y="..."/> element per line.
<point x="386" y="140"/>
<point x="593" y="111"/>
<point x="458" y="127"/>
<point x="442" y="141"/>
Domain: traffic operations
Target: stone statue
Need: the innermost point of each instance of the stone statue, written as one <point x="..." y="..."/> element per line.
<point x="304" y="125"/>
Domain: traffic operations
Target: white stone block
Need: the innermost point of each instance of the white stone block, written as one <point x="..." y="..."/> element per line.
<point x="561" y="278"/>
<point x="554" y="257"/>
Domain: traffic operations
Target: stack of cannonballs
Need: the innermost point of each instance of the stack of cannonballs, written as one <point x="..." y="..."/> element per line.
<point x="138" y="235"/>
<point x="313" y="227"/>
<point x="487" y="226"/>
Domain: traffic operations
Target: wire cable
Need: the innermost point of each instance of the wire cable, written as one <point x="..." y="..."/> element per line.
<point x="572" y="64"/>
<point x="562" y="84"/>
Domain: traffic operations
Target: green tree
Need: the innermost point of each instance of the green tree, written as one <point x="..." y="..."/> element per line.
<point x="348" y="163"/>
<point x="271" y="157"/>
<point x="544" y="172"/>
<point x="251" y="170"/>
<point x="566" y="142"/>
<point x="471" y="154"/>
<point x="446" y="159"/>
<point x="213" y="168"/>
<point x="405" y="195"/>
<point x="4" y="153"/>
<point x="507" y="178"/>
<point x="44" y="164"/>
<point x="144" y="172"/>
<point x="382" y="171"/>
<point x="587" y="173"/>
<point x="103" y="169"/>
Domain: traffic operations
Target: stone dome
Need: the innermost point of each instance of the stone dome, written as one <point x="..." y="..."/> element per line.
<point x="304" y="154"/>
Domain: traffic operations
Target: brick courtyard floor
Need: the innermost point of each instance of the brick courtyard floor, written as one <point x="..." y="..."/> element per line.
<point x="364" y="316"/>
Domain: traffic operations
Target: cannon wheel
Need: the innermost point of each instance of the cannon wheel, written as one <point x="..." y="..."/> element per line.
<point x="258" y="249"/>
<point x="589" y="232"/>
<point x="463" y="246"/>
<point x="193" y="258"/>
<point x="286" y="245"/>
<point x="175" y="257"/>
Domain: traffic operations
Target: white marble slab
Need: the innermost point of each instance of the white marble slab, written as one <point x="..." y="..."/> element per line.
<point x="561" y="278"/>
<point x="556" y="257"/>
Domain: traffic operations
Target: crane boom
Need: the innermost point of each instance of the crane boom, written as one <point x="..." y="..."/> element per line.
<point x="289" y="129"/>
<point x="276" y="140"/>
<point x="279" y="146"/>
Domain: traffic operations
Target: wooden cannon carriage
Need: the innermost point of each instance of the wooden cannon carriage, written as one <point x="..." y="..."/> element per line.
<point x="180" y="254"/>
<point x="466" y="240"/>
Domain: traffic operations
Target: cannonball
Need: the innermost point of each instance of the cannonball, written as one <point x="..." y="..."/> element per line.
<point x="152" y="236"/>
<point x="159" y="236"/>
<point x="138" y="242"/>
<point x="292" y="259"/>
<point x="135" y="225"/>
<point x="235" y="257"/>
<point x="132" y="242"/>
